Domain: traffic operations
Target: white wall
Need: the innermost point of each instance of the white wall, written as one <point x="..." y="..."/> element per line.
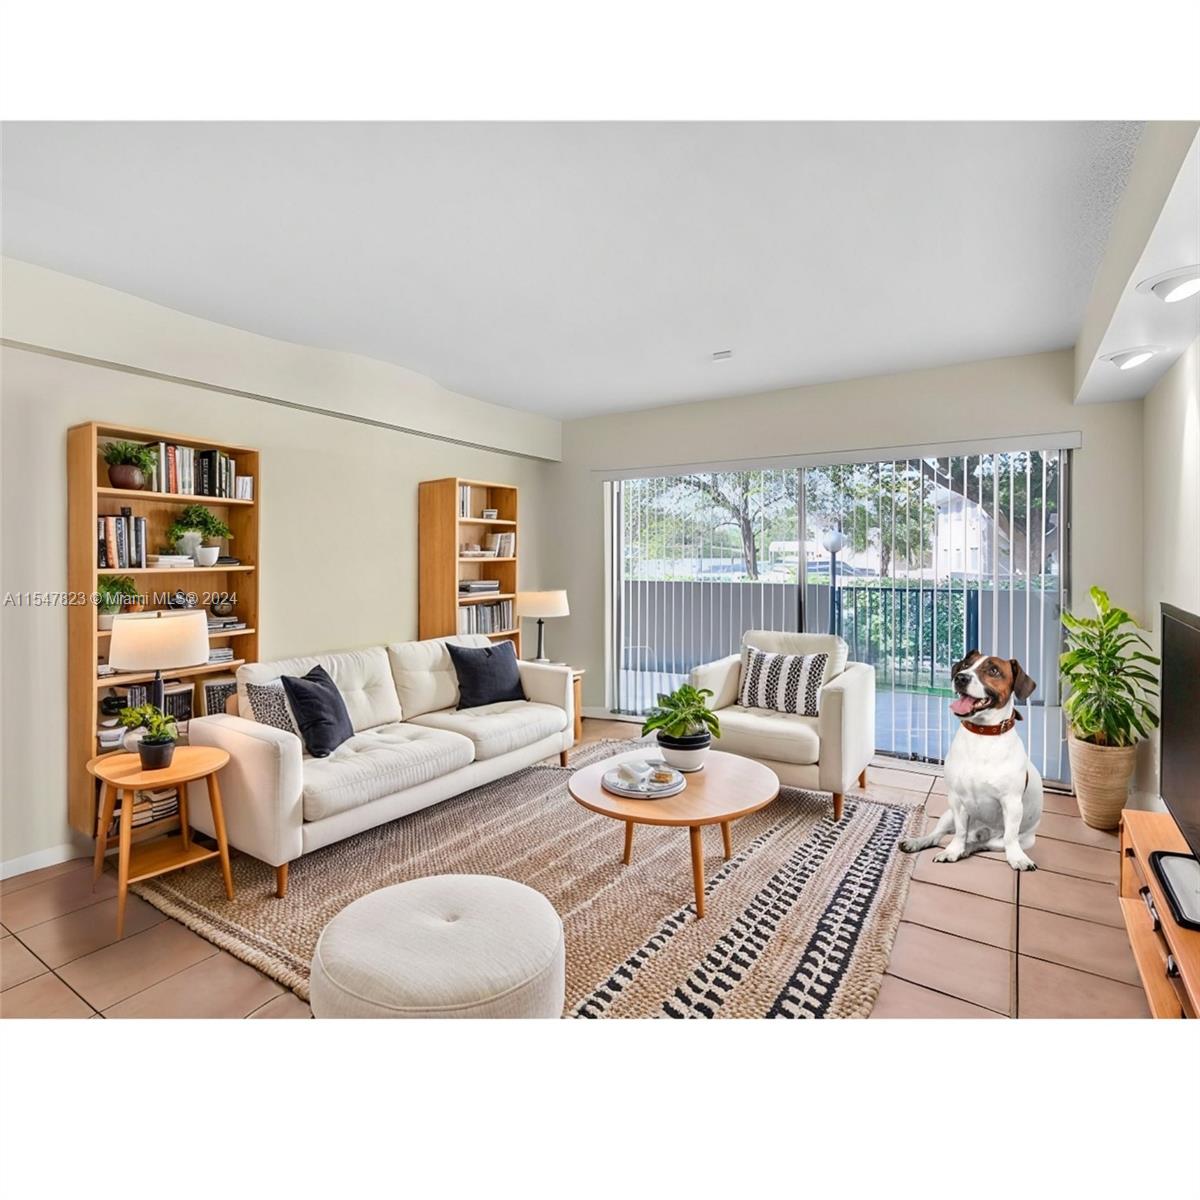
<point x="1170" y="512"/>
<point x="339" y="511"/>
<point x="999" y="398"/>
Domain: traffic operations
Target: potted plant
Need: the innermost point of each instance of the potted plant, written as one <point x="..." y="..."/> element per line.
<point x="686" y="726"/>
<point x="195" y="525"/>
<point x="157" y="744"/>
<point x="1109" y="709"/>
<point x="129" y="464"/>
<point x="114" y="593"/>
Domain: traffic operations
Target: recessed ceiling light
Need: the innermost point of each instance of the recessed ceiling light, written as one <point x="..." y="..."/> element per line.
<point x="1126" y="360"/>
<point x="722" y="355"/>
<point x="1173" y="286"/>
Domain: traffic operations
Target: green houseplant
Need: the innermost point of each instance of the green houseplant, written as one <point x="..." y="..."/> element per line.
<point x="114" y="593"/>
<point x="157" y="745"/>
<point x="197" y="524"/>
<point x="129" y="464"/>
<point x="685" y="726"/>
<point x="1110" y="707"/>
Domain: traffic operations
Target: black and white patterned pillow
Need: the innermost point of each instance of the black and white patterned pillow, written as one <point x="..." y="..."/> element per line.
<point x="268" y="702"/>
<point x="789" y="683"/>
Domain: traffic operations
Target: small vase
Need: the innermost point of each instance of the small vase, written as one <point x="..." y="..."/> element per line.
<point x="127" y="476"/>
<point x="155" y="756"/>
<point x="104" y="620"/>
<point x="685" y="753"/>
<point x="189" y="543"/>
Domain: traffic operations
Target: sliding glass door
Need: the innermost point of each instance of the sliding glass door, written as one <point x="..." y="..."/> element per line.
<point x="912" y="561"/>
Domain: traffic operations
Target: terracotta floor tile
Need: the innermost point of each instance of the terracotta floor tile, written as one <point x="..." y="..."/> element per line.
<point x="1072" y="829"/>
<point x="908" y="780"/>
<point x="54" y="897"/>
<point x="89" y="929"/>
<point x="1083" y="898"/>
<point x="1056" y="802"/>
<point x="107" y="976"/>
<point x="962" y="913"/>
<point x="900" y="999"/>
<point x="1048" y="990"/>
<point x="884" y="793"/>
<point x="968" y="970"/>
<point x="1101" y="949"/>
<point x="1081" y="862"/>
<point x="220" y="986"/>
<point x="287" y="1005"/>
<point x="983" y="876"/>
<point x="17" y="883"/>
<point x="17" y="964"/>
<point x="939" y="786"/>
<point x="936" y="804"/>
<point x="43" y="997"/>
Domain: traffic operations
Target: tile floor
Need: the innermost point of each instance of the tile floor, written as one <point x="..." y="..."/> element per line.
<point x="977" y="939"/>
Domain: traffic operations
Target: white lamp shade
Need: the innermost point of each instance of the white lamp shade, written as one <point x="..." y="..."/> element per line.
<point x="159" y="641"/>
<point x="542" y="604"/>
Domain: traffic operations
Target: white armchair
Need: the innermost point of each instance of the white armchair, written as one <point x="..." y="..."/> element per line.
<point x="828" y="753"/>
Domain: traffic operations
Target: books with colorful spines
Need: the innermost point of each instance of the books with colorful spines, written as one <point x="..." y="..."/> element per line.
<point x="110" y="541"/>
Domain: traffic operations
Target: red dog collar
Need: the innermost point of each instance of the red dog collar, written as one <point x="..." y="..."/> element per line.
<point x="992" y="730"/>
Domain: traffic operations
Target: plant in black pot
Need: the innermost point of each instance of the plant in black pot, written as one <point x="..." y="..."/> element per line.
<point x="157" y="744"/>
<point x="129" y="464"/>
<point x="195" y="525"/>
<point x="686" y="726"/>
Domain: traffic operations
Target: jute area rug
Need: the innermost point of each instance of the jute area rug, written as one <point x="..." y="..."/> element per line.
<point x="799" y="922"/>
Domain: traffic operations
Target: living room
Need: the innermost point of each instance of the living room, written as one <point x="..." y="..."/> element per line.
<point x="601" y="568"/>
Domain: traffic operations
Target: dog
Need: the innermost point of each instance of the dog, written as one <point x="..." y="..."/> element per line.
<point x="995" y="792"/>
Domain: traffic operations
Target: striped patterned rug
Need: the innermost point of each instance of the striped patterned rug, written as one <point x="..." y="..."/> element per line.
<point x="799" y="922"/>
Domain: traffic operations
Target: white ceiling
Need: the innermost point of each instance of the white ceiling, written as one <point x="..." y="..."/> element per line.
<point x="573" y="269"/>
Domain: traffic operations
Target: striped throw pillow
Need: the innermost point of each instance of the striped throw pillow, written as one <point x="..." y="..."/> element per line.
<point x="789" y="683"/>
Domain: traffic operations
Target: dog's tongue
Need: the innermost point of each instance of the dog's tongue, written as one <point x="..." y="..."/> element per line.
<point x="962" y="706"/>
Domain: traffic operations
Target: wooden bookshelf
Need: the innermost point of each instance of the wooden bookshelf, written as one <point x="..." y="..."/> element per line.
<point x="89" y="496"/>
<point x="443" y="530"/>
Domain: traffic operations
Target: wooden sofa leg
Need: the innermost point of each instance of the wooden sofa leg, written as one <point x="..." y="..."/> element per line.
<point x="562" y="758"/>
<point x="281" y="881"/>
<point x="838" y="798"/>
<point x="862" y="779"/>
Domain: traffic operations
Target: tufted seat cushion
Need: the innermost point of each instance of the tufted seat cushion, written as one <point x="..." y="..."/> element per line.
<point x="765" y="733"/>
<point x="444" y="946"/>
<point x="377" y="763"/>
<point x="495" y="729"/>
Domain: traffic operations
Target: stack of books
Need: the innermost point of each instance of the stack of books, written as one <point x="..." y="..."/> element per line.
<point x="464" y="500"/>
<point x="179" y="561"/>
<point x="149" y="806"/>
<point x="220" y="654"/>
<point x="224" y="624"/>
<point x="502" y="545"/>
<point x="186" y="471"/>
<point x="110" y="737"/>
<point x="474" y="587"/>
<point x="486" y="618"/>
<point x="121" y="541"/>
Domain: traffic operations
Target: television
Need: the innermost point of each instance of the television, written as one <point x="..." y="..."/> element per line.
<point x="1179" y="757"/>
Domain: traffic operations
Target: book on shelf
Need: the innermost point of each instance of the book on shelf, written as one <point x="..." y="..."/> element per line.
<point x="188" y="471"/>
<point x="464" y="500"/>
<point x="486" y="618"/>
<point x="478" y="586"/>
<point x="121" y="541"/>
<point x="220" y="654"/>
<point x="502" y="545"/>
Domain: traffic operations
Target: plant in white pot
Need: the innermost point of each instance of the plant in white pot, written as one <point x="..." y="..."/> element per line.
<point x="686" y="726"/>
<point x="1110" y="707"/>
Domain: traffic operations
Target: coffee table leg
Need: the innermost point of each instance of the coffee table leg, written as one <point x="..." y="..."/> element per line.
<point x="107" y="803"/>
<point x="628" y="843"/>
<point x="728" y="841"/>
<point x="218" y="816"/>
<point x="697" y="867"/>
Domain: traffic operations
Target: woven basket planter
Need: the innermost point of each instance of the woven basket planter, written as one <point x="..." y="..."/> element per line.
<point x="1101" y="776"/>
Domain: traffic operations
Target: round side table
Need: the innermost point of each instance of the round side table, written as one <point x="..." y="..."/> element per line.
<point x="123" y="773"/>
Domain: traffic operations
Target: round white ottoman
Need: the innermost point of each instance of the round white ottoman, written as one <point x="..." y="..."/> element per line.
<point x="445" y="946"/>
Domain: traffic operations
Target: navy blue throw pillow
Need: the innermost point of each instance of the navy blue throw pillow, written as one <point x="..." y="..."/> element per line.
<point x="319" y="710"/>
<point x="486" y="674"/>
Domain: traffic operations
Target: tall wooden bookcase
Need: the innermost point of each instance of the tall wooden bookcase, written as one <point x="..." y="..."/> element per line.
<point x="443" y="531"/>
<point x="89" y="497"/>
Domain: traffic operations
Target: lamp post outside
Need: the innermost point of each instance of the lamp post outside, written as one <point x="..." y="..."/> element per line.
<point x="834" y="540"/>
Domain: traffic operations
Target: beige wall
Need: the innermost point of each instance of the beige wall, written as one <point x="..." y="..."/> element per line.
<point x="1000" y="398"/>
<point x="339" y="558"/>
<point x="1170" y="509"/>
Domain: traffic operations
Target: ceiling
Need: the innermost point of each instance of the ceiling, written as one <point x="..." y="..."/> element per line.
<point x="574" y="269"/>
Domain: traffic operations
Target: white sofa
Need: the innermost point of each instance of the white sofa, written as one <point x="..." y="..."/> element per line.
<point x="411" y="747"/>
<point x="827" y="753"/>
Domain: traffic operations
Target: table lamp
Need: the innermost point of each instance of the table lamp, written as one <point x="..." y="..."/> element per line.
<point x="542" y="605"/>
<point x="158" y="642"/>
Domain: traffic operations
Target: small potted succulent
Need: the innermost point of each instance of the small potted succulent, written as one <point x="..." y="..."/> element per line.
<point x="686" y="726"/>
<point x="114" y="594"/>
<point x="192" y="530"/>
<point x="129" y="464"/>
<point x="1109" y="709"/>
<point x="156" y="747"/>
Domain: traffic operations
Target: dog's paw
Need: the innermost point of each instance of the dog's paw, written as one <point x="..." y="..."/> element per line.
<point x="912" y="845"/>
<point x="947" y="856"/>
<point x="1022" y="862"/>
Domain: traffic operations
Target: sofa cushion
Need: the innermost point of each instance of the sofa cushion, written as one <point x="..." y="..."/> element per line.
<point x="764" y="733"/>
<point x="787" y="683"/>
<point x="777" y="641"/>
<point x="423" y="674"/>
<point x="496" y="729"/>
<point x="378" y="763"/>
<point x="319" y="710"/>
<point x="363" y="678"/>
<point x="269" y="706"/>
<point x="486" y="674"/>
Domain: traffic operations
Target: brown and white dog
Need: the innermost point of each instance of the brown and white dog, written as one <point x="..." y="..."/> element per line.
<point x="995" y="792"/>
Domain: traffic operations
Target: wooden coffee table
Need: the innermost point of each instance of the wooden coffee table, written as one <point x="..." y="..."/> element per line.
<point x="728" y="787"/>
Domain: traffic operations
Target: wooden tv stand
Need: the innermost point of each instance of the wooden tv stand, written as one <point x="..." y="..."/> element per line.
<point x="1168" y="947"/>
